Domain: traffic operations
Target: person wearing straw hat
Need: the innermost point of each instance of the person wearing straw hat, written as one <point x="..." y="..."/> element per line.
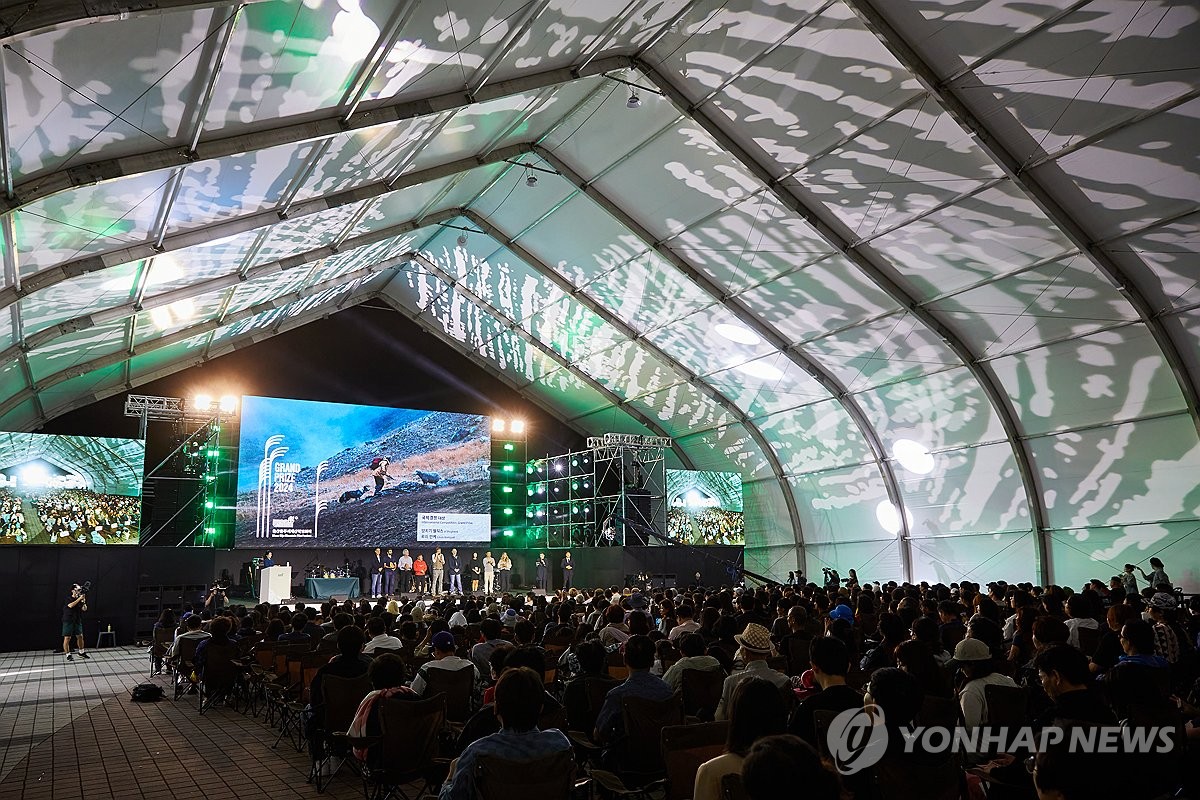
<point x="754" y="648"/>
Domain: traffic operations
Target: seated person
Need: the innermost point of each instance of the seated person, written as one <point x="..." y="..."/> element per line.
<point x="380" y="638"/>
<point x="295" y="634"/>
<point x="755" y="712"/>
<point x="348" y="663"/>
<point x="329" y="640"/>
<point x="1064" y="674"/>
<point x="754" y="648"/>
<point x="639" y="657"/>
<point x="691" y="648"/>
<point x="519" y="697"/>
<point x="484" y="722"/>
<point x="830" y="660"/>
<point x="975" y="661"/>
<point x="779" y="761"/>
<point x="191" y="631"/>
<point x="1140" y="678"/>
<point x="219" y="636"/>
<point x="387" y="679"/>
<point x="443" y="647"/>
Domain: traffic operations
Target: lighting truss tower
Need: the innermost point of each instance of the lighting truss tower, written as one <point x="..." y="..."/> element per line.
<point x="508" y="472"/>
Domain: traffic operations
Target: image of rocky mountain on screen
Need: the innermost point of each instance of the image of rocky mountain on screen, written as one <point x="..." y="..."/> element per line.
<point x="69" y="490"/>
<point x="705" y="507"/>
<point x="314" y="474"/>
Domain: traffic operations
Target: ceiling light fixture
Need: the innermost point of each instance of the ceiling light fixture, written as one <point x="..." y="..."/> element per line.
<point x="462" y="240"/>
<point x="634" y="101"/>
<point x="736" y="333"/>
<point x="531" y="180"/>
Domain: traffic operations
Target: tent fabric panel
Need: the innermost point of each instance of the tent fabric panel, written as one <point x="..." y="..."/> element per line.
<point x="941" y="411"/>
<point x="841" y="505"/>
<point x="970" y="490"/>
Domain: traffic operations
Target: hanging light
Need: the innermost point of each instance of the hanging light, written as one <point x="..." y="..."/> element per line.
<point x="634" y="101"/>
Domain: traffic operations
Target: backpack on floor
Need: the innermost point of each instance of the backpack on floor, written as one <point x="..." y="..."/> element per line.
<point x="147" y="693"/>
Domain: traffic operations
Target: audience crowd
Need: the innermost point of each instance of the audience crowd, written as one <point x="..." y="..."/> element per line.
<point x="710" y="526"/>
<point x="784" y="658"/>
<point x="84" y="516"/>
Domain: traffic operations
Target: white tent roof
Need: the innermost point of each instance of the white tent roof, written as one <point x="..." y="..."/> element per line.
<point x="828" y="227"/>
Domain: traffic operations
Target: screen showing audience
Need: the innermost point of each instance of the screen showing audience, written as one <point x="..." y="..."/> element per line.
<point x="70" y="490"/>
<point x="705" y="507"/>
<point x="333" y="475"/>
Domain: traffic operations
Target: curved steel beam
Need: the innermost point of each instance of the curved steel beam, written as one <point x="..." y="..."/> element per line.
<point x="674" y="364"/>
<point x="740" y="311"/>
<point x="881" y="274"/>
<point x="31" y="18"/>
<point x="246" y="222"/>
<point x="948" y="96"/>
<point x="514" y="326"/>
<point x="292" y="130"/>
<point x="112" y="359"/>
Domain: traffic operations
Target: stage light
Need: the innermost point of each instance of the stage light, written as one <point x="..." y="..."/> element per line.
<point x="574" y="462"/>
<point x="508" y="467"/>
<point x="634" y="101"/>
<point x="508" y="512"/>
<point x="229" y="404"/>
<point x="202" y="402"/>
<point x="498" y="425"/>
<point x="517" y="426"/>
<point x="558" y="467"/>
<point x="508" y="446"/>
<point x="208" y="504"/>
<point x="508" y="490"/>
<point x="508" y="532"/>
<point x="531" y="180"/>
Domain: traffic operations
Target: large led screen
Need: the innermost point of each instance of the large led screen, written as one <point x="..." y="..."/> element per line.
<point x="335" y="475"/>
<point x="705" y="507"/>
<point x="63" y="490"/>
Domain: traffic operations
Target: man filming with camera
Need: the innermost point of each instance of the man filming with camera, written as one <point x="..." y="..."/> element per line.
<point x="72" y="622"/>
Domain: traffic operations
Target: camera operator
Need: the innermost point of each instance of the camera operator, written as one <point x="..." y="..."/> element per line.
<point x="216" y="598"/>
<point x="72" y="622"/>
<point x="833" y="581"/>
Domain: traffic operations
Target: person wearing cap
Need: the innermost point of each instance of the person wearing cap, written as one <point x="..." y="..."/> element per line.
<point x="1169" y="639"/>
<point x="974" y="658"/>
<point x="754" y="648"/>
<point x="442" y="648"/>
<point x="842" y="612"/>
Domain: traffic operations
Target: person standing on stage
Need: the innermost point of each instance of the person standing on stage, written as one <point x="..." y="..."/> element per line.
<point x="72" y="622"/>
<point x="405" y="565"/>
<point x="568" y="568"/>
<point x="489" y="573"/>
<point x="268" y="560"/>
<point x="420" y="570"/>
<point x="377" y="574"/>
<point x="439" y="570"/>
<point x="454" y="564"/>
<point x="543" y="571"/>
<point x="475" y="571"/>
<point x="504" y="566"/>
<point x="389" y="574"/>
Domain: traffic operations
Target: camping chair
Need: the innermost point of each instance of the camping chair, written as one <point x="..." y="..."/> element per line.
<point x="221" y="674"/>
<point x="685" y="748"/>
<point x="583" y="698"/>
<point x="702" y="692"/>
<point x="551" y="776"/>
<point x="158" y="649"/>
<point x="406" y="749"/>
<point x="639" y="751"/>
<point x="339" y="700"/>
<point x="1006" y="706"/>
<point x="797" y="655"/>
<point x="457" y="686"/>
<point x="615" y="662"/>
<point x="182" y="664"/>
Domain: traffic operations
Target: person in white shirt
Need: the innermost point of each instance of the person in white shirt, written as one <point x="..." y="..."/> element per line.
<point x="404" y="566"/>
<point x="489" y="572"/>
<point x="1077" y="607"/>
<point x="684" y="622"/>
<point x="974" y="657"/>
<point x="442" y="648"/>
<point x="192" y="624"/>
<point x="380" y="637"/>
<point x="457" y="618"/>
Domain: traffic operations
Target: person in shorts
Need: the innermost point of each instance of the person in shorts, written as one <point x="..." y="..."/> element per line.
<point x="72" y="622"/>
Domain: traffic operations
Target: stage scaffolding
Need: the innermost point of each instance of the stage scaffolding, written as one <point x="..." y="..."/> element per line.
<point x="605" y="496"/>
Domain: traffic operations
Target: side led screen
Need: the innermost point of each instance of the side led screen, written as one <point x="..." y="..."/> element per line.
<point x="64" y="490"/>
<point x="705" y="507"/>
<point x="334" y="475"/>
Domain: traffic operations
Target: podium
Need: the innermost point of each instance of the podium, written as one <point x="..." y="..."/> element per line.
<point x="274" y="585"/>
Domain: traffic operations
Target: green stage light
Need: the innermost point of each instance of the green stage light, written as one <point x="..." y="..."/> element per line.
<point x="508" y="532"/>
<point x="574" y="485"/>
<point x="508" y="467"/>
<point x="508" y="512"/>
<point x="508" y="490"/>
<point x="209" y="504"/>
<point x="508" y="445"/>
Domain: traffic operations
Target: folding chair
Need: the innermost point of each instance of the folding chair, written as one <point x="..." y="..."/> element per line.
<point x="406" y="750"/>
<point x="158" y="649"/>
<point x="457" y="686"/>
<point x="685" y="748"/>
<point x="552" y="776"/>
<point x="182" y="663"/>
<point x="221" y="674"/>
<point x="339" y="700"/>
<point x="702" y="692"/>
